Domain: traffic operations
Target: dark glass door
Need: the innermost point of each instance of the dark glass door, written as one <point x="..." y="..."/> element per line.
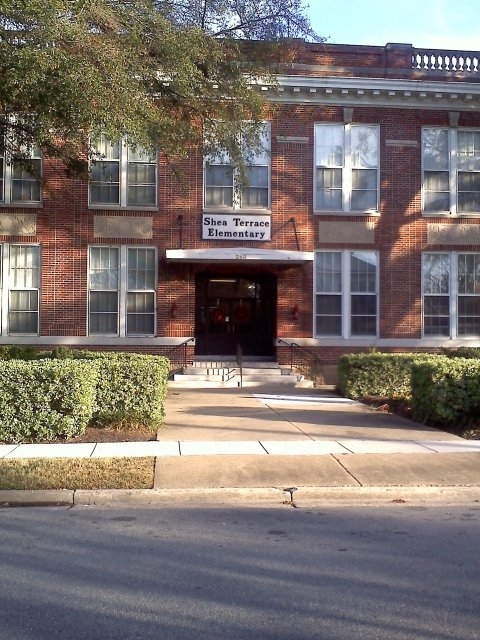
<point x="234" y="311"/>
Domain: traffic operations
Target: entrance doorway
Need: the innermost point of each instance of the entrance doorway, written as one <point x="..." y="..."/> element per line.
<point x="234" y="310"/>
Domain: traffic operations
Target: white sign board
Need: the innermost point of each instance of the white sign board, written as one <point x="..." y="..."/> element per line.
<point x="236" y="227"/>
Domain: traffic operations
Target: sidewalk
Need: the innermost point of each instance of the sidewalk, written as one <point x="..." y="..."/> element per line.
<point x="275" y="437"/>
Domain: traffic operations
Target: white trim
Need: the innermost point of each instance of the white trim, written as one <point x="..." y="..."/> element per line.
<point x="85" y="341"/>
<point x="379" y="92"/>
<point x="407" y="343"/>
<point x="239" y="255"/>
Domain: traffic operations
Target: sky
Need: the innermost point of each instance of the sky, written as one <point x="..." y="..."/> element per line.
<point x="445" y="24"/>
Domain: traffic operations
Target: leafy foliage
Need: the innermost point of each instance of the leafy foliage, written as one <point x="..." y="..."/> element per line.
<point x="446" y="391"/>
<point x="57" y="394"/>
<point x="158" y="72"/>
<point x="45" y="399"/>
<point x="378" y="374"/>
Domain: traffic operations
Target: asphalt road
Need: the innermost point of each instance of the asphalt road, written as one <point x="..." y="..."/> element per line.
<point x="394" y="571"/>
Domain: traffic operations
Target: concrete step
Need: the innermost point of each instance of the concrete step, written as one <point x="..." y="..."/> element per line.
<point x="217" y="373"/>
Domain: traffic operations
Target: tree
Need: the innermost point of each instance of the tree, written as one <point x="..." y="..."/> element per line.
<point x="171" y="73"/>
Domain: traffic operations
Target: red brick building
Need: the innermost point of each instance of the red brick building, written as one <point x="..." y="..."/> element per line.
<point x="359" y="228"/>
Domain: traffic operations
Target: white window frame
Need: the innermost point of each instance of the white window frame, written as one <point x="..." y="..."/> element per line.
<point x="345" y="162"/>
<point x="125" y="159"/>
<point x="261" y="159"/>
<point x="10" y="163"/>
<point x="122" y="290"/>
<point x="453" y="168"/>
<point x="453" y="294"/>
<point x="345" y="292"/>
<point x="7" y="288"/>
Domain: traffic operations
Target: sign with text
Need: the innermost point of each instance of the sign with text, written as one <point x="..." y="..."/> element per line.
<point x="236" y="227"/>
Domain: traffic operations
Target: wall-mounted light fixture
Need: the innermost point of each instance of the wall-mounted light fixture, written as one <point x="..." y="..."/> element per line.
<point x="295" y="312"/>
<point x="173" y="310"/>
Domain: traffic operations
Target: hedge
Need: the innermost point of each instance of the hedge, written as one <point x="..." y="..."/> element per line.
<point x="446" y="391"/>
<point x="130" y="388"/>
<point x="43" y="400"/>
<point x="378" y="374"/>
<point x="127" y="387"/>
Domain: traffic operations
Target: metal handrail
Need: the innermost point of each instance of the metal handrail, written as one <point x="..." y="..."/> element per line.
<point x="173" y="354"/>
<point x="240" y="363"/>
<point x="304" y="360"/>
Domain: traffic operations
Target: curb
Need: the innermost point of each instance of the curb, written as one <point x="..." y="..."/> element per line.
<point x="36" y="498"/>
<point x="249" y="497"/>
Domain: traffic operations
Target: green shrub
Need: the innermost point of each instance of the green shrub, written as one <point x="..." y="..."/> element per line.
<point x="19" y="352"/>
<point x="131" y="387"/>
<point x="446" y="391"/>
<point x="41" y="400"/>
<point x="462" y="352"/>
<point x="377" y="374"/>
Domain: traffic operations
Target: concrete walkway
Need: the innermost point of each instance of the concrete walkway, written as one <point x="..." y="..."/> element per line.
<point x="277" y="437"/>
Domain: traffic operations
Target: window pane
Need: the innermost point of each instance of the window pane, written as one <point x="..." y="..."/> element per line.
<point x="328" y="326"/>
<point x="255" y="198"/>
<point x="436" y="313"/>
<point x="436" y="191"/>
<point x="329" y="145"/>
<point x="435" y="149"/>
<point x="468" y="152"/>
<point x="469" y="273"/>
<point x="363" y="272"/>
<point x="23" y="312"/>
<point x="468" y="315"/>
<point x="142" y="182"/>
<point x="363" y="315"/>
<point x="363" y="325"/>
<point x="140" y="313"/>
<point x="329" y="189"/>
<point x="328" y="272"/>
<point x="141" y="269"/>
<point x="436" y="273"/>
<point x="139" y="154"/>
<point x="26" y="185"/>
<point x="329" y="315"/>
<point x="218" y="186"/>
<point x="468" y="192"/>
<point x="364" y="147"/>
<point x="107" y="149"/>
<point x="104" y="268"/>
<point x="24" y="266"/>
<point x="103" y="312"/>
<point x="105" y="183"/>
<point x="364" y="189"/>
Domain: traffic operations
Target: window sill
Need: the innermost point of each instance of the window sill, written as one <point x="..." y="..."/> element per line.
<point x="245" y="212"/>
<point x="448" y="215"/>
<point x="21" y="205"/>
<point x="348" y="214"/>
<point x="120" y="209"/>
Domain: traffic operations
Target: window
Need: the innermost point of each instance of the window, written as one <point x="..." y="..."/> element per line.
<point x="222" y="190"/>
<point x="123" y="177"/>
<point x="346" y="168"/>
<point x="20" y="177"/>
<point x="451" y="171"/>
<point x="122" y="285"/>
<point x="346" y="292"/>
<point x="451" y="294"/>
<point x="20" y="293"/>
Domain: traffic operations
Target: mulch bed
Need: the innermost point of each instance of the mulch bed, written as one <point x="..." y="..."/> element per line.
<point x="403" y="409"/>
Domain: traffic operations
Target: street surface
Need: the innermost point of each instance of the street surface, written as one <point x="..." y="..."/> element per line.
<point x="392" y="571"/>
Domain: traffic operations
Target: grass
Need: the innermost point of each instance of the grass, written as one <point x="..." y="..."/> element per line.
<point x="79" y="473"/>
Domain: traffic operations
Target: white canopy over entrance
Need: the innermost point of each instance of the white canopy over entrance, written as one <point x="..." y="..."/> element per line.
<point x="238" y="255"/>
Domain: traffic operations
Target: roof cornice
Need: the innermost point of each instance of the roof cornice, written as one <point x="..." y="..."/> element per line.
<point x="394" y="93"/>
